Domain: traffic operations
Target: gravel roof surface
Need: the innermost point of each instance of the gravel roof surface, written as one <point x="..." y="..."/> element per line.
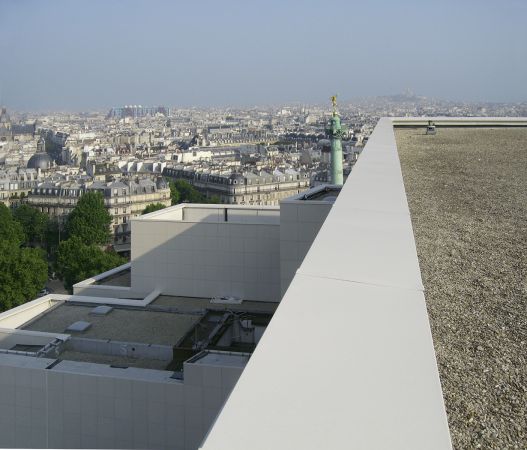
<point x="185" y="304"/>
<point x="128" y="325"/>
<point x="119" y="279"/>
<point x="467" y="192"/>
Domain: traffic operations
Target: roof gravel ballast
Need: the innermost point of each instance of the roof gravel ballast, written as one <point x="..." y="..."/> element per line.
<point x="467" y="193"/>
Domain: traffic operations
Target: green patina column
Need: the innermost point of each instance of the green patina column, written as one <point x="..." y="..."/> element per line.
<point x="335" y="132"/>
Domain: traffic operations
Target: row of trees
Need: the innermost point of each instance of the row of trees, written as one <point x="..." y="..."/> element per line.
<point x="85" y="250"/>
<point x="32" y="245"/>
<point x="23" y="270"/>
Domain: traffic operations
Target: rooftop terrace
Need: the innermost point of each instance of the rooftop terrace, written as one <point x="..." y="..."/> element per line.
<point x="186" y="304"/>
<point x="467" y="193"/>
<point x="121" y="324"/>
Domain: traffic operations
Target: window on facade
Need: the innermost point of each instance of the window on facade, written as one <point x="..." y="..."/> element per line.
<point x="116" y="211"/>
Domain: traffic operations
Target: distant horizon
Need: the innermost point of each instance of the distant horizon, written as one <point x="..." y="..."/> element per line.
<point x="91" y="55"/>
<point x="343" y="103"/>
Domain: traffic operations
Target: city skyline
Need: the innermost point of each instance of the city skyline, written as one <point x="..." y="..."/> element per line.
<point x="84" y="56"/>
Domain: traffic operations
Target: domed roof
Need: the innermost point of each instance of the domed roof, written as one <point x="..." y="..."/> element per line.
<point x="39" y="161"/>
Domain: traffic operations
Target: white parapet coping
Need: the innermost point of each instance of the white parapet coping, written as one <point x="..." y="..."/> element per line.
<point x="461" y="121"/>
<point x="89" y="283"/>
<point x="348" y="359"/>
<point x="16" y="317"/>
<point x="19" y="315"/>
<point x="115" y="301"/>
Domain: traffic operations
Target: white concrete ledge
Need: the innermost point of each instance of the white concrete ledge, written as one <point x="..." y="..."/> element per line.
<point x="348" y="359"/>
<point x="461" y="121"/>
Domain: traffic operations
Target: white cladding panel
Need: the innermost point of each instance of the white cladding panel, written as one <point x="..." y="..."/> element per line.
<point x="69" y="407"/>
<point x="205" y="259"/>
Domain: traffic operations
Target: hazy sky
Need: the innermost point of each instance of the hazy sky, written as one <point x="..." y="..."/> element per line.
<point x="100" y="53"/>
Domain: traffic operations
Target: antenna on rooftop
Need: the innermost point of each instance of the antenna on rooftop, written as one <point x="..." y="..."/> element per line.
<point x="431" y="128"/>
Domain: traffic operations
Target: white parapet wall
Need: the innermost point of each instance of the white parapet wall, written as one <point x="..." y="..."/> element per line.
<point x="90" y="288"/>
<point x="361" y="373"/>
<point x="207" y="251"/>
<point x="300" y="222"/>
<point x="16" y="317"/>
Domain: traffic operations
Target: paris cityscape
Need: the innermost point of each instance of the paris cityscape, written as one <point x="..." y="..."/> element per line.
<point x="265" y="225"/>
<point x="46" y="159"/>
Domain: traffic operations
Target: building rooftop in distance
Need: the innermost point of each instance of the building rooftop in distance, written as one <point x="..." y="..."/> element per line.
<point x="223" y="359"/>
<point x="121" y="324"/>
<point x="467" y="193"/>
<point x="186" y="304"/>
<point x="119" y="279"/>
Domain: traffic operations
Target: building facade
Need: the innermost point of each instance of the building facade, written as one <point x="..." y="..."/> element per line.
<point x="246" y="188"/>
<point x="17" y="184"/>
<point x="124" y="199"/>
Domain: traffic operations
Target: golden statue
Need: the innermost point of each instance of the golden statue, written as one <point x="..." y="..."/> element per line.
<point x="334" y="102"/>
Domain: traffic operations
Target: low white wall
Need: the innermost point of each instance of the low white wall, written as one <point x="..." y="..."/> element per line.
<point x="300" y="222"/>
<point x="16" y="317"/>
<point x="118" y="348"/>
<point x="206" y="259"/>
<point x="96" y="290"/>
<point x="10" y="338"/>
<point x="88" y="288"/>
<point x="82" y="405"/>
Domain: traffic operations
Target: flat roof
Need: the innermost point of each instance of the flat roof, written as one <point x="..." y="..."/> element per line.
<point x="192" y="304"/>
<point x="467" y="193"/>
<point x="121" y="324"/>
<point x="223" y="359"/>
<point x="119" y="279"/>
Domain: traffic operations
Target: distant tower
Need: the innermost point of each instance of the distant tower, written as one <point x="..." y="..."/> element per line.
<point x="334" y="131"/>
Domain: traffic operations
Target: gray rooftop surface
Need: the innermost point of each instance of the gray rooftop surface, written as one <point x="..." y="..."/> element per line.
<point x="223" y="359"/>
<point x="119" y="279"/>
<point x="193" y="303"/>
<point x="467" y="193"/>
<point x="128" y="325"/>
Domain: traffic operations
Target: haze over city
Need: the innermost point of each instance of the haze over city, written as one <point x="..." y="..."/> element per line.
<point x="286" y="225"/>
<point x="87" y="55"/>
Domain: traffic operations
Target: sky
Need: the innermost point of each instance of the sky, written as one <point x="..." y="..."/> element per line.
<point x="95" y="54"/>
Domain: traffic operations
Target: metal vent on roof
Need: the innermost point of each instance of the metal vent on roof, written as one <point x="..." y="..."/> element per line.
<point x="101" y="310"/>
<point x="79" y="326"/>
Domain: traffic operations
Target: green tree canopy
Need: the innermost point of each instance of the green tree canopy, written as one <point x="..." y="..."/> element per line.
<point x="77" y="261"/>
<point x="189" y="193"/>
<point x="23" y="272"/>
<point x="174" y="193"/>
<point x="34" y="223"/>
<point x="10" y="229"/>
<point x="153" y="207"/>
<point x="90" y="221"/>
<point x="183" y="191"/>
